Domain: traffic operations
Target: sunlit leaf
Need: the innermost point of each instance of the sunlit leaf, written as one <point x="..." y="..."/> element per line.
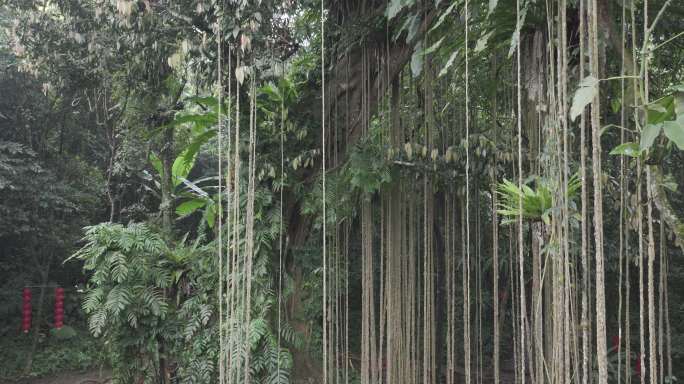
<point x="417" y="60"/>
<point x="615" y="105"/>
<point x="395" y="6"/>
<point x="588" y="88"/>
<point x="210" y="215"/>
<point x="194" y="187"/>
<point x="627" y="149"/>
<point x="492" y="6"/>
<point x="190" y="206"/>
<point x="412" y="23"/>
<point x="183" y="164"/>
<point x="679" y="103"/>
<point x="434" y="46"/>
<point x="661" y="110"/>
<point x="156" y="163"/>
<point x="240" y="74"/>
<point x="515" y="38"/>
<point x="669" y="183"/>
<point x="448" y="64"/>
<point x="444" y="15"/>
<point x="674" y="130"/>
<point x="482" y="41"/>
<point x="649" y="134"/>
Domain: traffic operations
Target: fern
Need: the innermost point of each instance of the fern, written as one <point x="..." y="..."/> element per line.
<point x="119" y="266"/>
<point x="537" y="205"/>
<point x="257" y="330"/>
<point x="93" y="300"/>
<point x="128" y="302"/>
<point x="117" y="300"/>
<point x="97" y="321"/>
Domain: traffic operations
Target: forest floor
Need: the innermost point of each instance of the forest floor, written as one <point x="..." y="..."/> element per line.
<point x="88" y="377"/>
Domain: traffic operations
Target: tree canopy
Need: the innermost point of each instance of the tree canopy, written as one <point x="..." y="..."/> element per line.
<point x="394" y="191"/>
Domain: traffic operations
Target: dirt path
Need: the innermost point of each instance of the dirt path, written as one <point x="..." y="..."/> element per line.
<point x="91" y="377"/>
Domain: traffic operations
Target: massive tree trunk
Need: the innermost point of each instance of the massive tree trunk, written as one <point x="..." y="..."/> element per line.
<point x="355" y="83"/>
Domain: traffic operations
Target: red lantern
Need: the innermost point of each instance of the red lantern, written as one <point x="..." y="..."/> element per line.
<point x="26" y="310"/>
<point x="59" y="307"/>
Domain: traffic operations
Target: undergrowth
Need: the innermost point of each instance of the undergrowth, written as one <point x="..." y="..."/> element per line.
<point x="54" y="354"/>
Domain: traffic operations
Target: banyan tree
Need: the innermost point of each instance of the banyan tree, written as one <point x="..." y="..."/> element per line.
<point x="427" y="191"/>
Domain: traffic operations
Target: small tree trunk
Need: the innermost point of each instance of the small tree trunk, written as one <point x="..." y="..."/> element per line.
<point x="166" y="206"/>
<point x="601" y="349"/>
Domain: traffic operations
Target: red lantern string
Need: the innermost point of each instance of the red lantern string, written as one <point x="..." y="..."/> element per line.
<point x="26" y="310"/>
<point x="59" y="307"/>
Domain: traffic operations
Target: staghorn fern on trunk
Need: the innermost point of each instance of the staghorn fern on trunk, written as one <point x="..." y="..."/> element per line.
<point x="537" y="204"/>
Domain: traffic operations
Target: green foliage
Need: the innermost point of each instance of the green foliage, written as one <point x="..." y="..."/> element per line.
<point x="665" y="115"/>
<point x="649" y="134"/>
<point x="395" y="6"/>
<point x="627" y="149"/>
<point x="674" y="130"/>
<point x="660" y="110"/>
<point x="262" y="333"/>
<point x="53" y="355"/>
<point x="264" y="344"/>
<point x="367" y="170"/>
<point x="144" y="293"/>
<point x="147" y="290"/>
<point x="31" y="193"/>
<point x="64" y="333"/>
<point x="537" y="204"/>
<point x="127" y="299"/>
<point x="273" y="101"/>
<point x="201" y="128"/>
<point x="43" y="206"/>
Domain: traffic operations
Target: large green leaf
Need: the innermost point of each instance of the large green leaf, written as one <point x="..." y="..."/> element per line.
<point x="588" y="88"/>
<point x="661" y="110"/>
<point x="156" y="163"/>
<point x="417" y="60"/>
<point x="181" y="167"/>
<point x="649" y="134"/>
<point x="186" y="160"/>
<point x="482" y="41"/>
<point x="492" y="6"/>
<point x="395" y="6"/>
<point x="209" y="101"/>
<point x="627" y="149"/>
<point x="674" y="130"/>
<point x="210" y="214"/>
<point x="515" y="38"/>
<point x="411" y="27"/>
<point x="615" y="105"/>
<point x="190" y="206"/>
<point x="434" y="46"/>
<point x="202" y="120"/>
<point x="272" y="92"/>
<point x="419" y="56"/>
<point x="449" y="63"/>
<point x="444" y="15"/>
<point x="679" y="103"/>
